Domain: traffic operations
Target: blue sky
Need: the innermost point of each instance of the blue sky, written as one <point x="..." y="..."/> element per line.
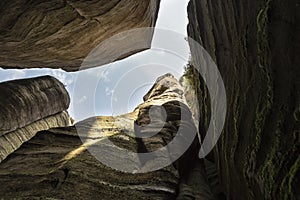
<point x="118" y="87"/>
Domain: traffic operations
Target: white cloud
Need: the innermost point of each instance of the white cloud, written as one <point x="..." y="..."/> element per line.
<point x="64" y="77"/>
<point x="11" y="74"/>
<point x="17" y="74"/>
<point x="108" y="91"/>
<point x="81" y="100"/>
<point x="104" y="75"/>
<point x="101" y="73"/>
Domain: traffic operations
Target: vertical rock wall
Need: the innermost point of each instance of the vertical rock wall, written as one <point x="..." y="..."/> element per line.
<point x="255" y="45"/>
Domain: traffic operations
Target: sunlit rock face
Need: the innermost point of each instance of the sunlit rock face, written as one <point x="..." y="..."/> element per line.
<point x="60" y="163"/>
<point x="61" y="33"/>
<point x="255" y="45"/>
<point x="28" y="106"/>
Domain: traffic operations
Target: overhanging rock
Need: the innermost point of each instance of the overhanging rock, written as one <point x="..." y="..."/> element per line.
<point x="61" y="33"/>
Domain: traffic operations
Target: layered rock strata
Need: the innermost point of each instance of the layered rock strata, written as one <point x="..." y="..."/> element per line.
<point x="64" y="163"/>
<point x="61" y="33"/>
<point x="28" y="106"/>
<point x="255" y="45"/>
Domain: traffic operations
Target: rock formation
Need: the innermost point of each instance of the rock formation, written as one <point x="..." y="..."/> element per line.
<point x="61" y="163"/>
<point x="61" y="33"/>
<point x="28" y="106"/>
<point x="255" y="45"/>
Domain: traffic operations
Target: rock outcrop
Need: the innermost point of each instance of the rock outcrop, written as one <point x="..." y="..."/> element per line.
<point x="61" y="33"/>
<point x="28" y="106"/>
<point x="63" y="163"/>
<point x="255" y="45"/>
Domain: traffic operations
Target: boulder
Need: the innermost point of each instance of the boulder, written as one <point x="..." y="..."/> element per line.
<point x="25" y="101"/>
<point x="28" y="106"/>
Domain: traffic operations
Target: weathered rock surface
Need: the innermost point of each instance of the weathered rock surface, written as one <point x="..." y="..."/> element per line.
<point x="13" y="140"/>
<point x="255" y="45"/>
<point x="56" y="163"/>
<point x="28" y="100"/>
<point x="61" y="33"/>
<point x="28" y="106"/>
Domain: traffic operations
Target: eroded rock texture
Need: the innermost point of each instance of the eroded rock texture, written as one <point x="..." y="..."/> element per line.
<point x="13" y="140"/>
<point x="61" y="33"/>
<point x="255" y="45"/>
<point x="28" y="106"/>
<point x="27" y="100"/>
<point x="56" y="163"/>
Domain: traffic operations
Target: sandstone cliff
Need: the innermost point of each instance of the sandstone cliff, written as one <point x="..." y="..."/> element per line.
<point x="61" y="33"/>
<point x="255" y="45"/>
<point x="56" y="163"/>
<point x="28" y="106"/>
